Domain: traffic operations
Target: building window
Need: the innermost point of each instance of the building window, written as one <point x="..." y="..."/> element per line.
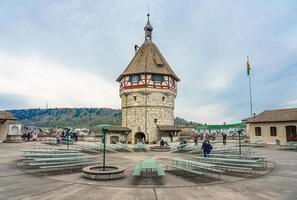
<point x="157" y="78"/>
<point x="163" y="98"/>
<point x="257" y="131"/>
<point x="273" y="131"/>
<point x="134" y="78"/>
<point x="173" y="83"/>
<point x="134" y="97"/>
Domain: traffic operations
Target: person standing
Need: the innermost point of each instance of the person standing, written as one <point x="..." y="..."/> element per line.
<point x="203" y="148"/>
<point x="34" y="136"/>
<point x="196" y="139"/>
<point x="28" y="136"/>
<point x="58" y="139"/>
<point x="224" y="138"/>
<point x="171" y="136"/>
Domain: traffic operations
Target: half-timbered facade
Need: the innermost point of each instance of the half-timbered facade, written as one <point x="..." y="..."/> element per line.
<point x="148" y="87"/>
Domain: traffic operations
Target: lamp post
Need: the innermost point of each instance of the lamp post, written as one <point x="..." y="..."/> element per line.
<point x="104" y="129"/>
<point x="239" y="139"/>
<point x="156" y="121"/>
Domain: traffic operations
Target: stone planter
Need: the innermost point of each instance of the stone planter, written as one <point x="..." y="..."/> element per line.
<point x="96" y="172"/>
<point x="160" y="148"/>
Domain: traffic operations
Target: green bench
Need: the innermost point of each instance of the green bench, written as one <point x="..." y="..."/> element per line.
<point x="181" y="146"/>
<point x="148" y="170"/>
<point x="236" y="169"/>
<point x="78" y="158"/>
<point x="49" y="161"/>
<point x="160" y="171"/>
<point x="137" y="170"/>
<point x="197" y="166"/>
<point x="247" y="157"/>
<point x="233" y="162"/>
<point x="186" y="170"/>
<point x="140" y="147"/>
<point x="49" y="151"/>
<point x="50" y="155"/>
<point x="64" y="167"/>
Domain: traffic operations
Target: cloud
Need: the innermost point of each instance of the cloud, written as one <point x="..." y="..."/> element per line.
<point x="205" y="43"/>
<point x="292" y="103"/>
<point x="39" y="80"/>
<point x="207" y="113"/>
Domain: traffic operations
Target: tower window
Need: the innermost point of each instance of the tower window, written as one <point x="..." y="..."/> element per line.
<point x="157" y="78"/>
<point x="173" y="83"/>
<point x="134" y="78"/>
<point x="134" y="97"/>
<point x="163" y="98"/>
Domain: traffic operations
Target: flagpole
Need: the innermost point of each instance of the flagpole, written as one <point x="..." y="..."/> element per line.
<point x="251" y="103"/>
<point x="250" y="87"/>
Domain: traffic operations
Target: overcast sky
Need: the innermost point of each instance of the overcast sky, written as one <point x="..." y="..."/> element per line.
<point x="69" y="53"/>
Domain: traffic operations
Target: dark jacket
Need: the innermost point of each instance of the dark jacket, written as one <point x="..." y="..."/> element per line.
<point x="206" y="147"/>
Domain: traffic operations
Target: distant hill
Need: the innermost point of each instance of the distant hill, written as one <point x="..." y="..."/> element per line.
<point x="74" y="117"/>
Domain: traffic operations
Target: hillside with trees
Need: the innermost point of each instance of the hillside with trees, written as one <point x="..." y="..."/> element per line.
<point x="74" y="117"/>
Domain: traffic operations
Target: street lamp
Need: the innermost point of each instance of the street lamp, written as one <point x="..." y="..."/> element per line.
<point x="104" y="129"/>
<point x="239" y="139"/>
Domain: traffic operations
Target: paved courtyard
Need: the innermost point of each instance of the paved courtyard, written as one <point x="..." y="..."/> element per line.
<point x="279" y="184"/>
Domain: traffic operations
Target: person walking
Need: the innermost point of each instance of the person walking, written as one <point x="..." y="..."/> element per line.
<point x="206" y="147"/>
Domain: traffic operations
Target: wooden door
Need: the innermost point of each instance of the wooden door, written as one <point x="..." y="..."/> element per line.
<point x="291" y="133"/>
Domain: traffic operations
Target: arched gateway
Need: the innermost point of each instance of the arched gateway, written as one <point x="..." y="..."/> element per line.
<point x="139" y="137"/>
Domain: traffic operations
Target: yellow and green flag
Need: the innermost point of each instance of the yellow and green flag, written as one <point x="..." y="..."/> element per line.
<point x="248" y="66"/>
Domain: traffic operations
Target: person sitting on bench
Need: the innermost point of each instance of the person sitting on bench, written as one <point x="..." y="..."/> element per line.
<point x="162" y="143"/>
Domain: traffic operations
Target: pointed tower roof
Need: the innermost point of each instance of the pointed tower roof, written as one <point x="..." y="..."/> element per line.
<point x="148" y="59"/>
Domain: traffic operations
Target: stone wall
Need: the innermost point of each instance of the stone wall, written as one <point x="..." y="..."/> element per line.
<point x="3" y="131"/>
<point x="265" y="132"/>
<point x="140" y="108"/>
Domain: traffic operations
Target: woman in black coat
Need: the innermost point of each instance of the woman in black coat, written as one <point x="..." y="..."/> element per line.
<point x="206" y="147"/>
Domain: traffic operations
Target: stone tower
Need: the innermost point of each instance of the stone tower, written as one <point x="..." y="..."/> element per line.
<point x="148" y="88"/>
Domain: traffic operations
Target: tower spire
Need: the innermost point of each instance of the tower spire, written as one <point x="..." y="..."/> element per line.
<point x="148" y="29"/>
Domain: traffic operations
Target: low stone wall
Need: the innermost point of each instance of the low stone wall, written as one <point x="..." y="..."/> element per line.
<point x="160" y="148"/>
<point x="96" y="172"/>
